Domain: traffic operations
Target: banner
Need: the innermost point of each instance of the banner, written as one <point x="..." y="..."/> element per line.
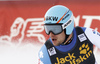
<point x="22" y="21"/>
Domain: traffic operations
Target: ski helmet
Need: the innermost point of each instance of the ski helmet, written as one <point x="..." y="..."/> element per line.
<point x="60" y="14"/>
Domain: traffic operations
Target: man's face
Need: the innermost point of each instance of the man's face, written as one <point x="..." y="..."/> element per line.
<point x="57" y="39"/>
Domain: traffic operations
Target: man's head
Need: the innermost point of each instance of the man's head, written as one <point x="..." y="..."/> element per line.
<point x="58" y="19"/>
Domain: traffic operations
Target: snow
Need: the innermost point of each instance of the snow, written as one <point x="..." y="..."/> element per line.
<point x="25" y="54"/>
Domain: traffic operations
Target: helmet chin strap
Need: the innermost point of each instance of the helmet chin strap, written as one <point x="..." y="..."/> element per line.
<point x="65" y="37"/>
<point x="65" y="41"/>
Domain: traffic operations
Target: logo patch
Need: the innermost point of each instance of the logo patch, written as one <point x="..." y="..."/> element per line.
<point x="51" y="18"/>
<point x="52" y="51"/>
<point x="84" y="48"/>
<point x="82" y="37"/>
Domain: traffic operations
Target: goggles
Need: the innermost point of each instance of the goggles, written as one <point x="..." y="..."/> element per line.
<point x="54" y="28"/>
<point x="57" y="28"/>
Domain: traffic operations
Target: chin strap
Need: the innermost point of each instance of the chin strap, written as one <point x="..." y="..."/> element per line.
<point x="67" y="42"/>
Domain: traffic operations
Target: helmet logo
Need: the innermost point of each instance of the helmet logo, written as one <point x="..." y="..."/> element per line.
<point x="65" y="17"/>
<point x="62" y="17"/>
<point x="51" y="18"/>
<point x="67" y="23"/>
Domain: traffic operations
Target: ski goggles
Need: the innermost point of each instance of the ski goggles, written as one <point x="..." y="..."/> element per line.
<point x="55" y="29"/>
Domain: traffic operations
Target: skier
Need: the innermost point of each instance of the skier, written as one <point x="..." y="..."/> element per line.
<point x="67" y="44"/>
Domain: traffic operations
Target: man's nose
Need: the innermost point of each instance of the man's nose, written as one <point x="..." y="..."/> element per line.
<point x="51" y="34"/>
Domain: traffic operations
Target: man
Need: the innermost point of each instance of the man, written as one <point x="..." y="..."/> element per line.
<point x="67" y="44"/>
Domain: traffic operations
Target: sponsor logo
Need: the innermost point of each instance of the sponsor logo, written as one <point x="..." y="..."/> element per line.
<point x="52" y="51"/>
<point x="84" y="49"/>
<point x="51" y="18"/>
<point x="85" y="53"/>
<point x="82" y="37"/>
<point x="66" y="24"/>
<point x="65" y="17"/>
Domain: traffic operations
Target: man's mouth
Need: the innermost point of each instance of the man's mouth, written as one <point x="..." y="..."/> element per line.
<point x="54" y="39"/>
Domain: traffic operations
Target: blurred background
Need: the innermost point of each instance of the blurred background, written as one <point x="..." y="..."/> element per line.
<point x="21" y="26"/>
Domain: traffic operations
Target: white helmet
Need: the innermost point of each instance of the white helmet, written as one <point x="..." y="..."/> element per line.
<point x="60" y="15"/>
